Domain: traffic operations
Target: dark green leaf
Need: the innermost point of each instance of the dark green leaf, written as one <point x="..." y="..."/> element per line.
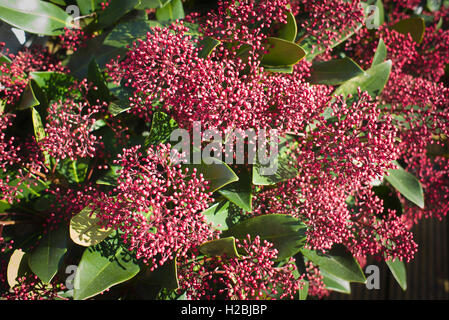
<point x="165" y="276"/>
<point x="100" y="270"/>
<point x="29" y="97"/>
<point x="239" y="192"/>
<point x="218" y="174"/>
<point x="397" y="268"/>
<point x="111" y="177"/>
<point x="114" y="12"/>
<point x="338" y="262"/>
<point x="414" y="26"/>
<point x="207" y="45"/>
<point x="45" y="260"/>
<point x="285" y="232"/>
<point x="407" y="184"/>
<point x="334" y="72"/>
<point x="161" y="128"/>
<point x="88" y="6"/>
<point x="95" y="77"/>
<point x="151" y="4"/>
<point x="282" y="53"/>
<point x="173" y="10"/>
<point x="126" y="33"/>
<point x="373" y="81"/>
<point x="219" y="247"/>
<point x="34" y="16"/>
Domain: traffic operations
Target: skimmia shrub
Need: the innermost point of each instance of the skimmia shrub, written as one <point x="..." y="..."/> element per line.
<point x="107" y="191"/>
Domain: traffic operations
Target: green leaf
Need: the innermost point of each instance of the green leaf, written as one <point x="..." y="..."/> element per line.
<point x="46" y="259"/>
<point x="218" y="174"/>
<point x="151" y="4"/>
<point x="289" y="30"/>
<point x="111" y="177"/>
<point x="39" y="131"/>
<point x="381" y="53"/>
<point x="85" y="229"/>
<point x="414" y="26"/>
<point x="434" y="5"/>
<point x="239" y="192"/>
<point x="397" y="268"/>
<point x="217" y="215"/>
<point x="282" y="53"/>
<point x="34" y="16"/>
<point x="207" y="45"/>
<point x="162" y="126"/>
<point x="88" y="6"/>
<point x="165" y="276"/>
<point x="100" y="270"/>
<point x="407" y="184"/>
<point x="74" y="171"/>
<point x="338" y="262"/>
<point x="114" y="12"/>
<point x="173" y="10"/>
<point x="303" y="293"/>
<point x="335" y="71"/>
<point x="126" y="33"/>
<point x="373" y="81"/>
<point x="285" y="170"/>
<point x="333" y="283"/>
<point x="219" y="247"/>
<point x="55" y="85"/>
<point x="29" y="97"/>
<point x="95" y="77"/>
<point x="285" y="232"/>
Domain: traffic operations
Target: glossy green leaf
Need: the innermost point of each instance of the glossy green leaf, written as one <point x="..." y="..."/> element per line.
<point x="95" y="76"/>
<point x="165" y="276"/>
<point x="219" y="247"/>
<point x="114" y="12"/>
<point x="397" y="268"/>
<point x="289" y="30"/>
<point x="126" y="33"/>
<point x="34" y="16"/>
<point x="39" y="131"/>
<point x="333" y="283"/>
<point x="335" y="71"/>
<point x="240" y="192"/>
<point x="47" y="257"/>
<point x="207" y="45"/>
<point x="86" y="230"/>
<point x="338" y="262"/>
<point x="151" y="4"/>
<point x="407" y="184"/>
<point x="98" y="271"/>
<point x="29" y="97"/>
<point x="217" y="215"/>
<point x="381" y="53"/>
<point x="284" y="169"/>
<point x="173" y="10"/>
<point x="218" y="174"/>
<point x="373" y="81"/>
<point x="88" y="6"/>
<point x="285" y="232"/>
<point x="282" y="53"/>
<point x="414" y="26"/>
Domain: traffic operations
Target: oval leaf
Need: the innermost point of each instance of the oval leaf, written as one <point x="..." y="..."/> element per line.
<point x="45" y="260"/>
<point x="171" y="11"/>
<point x="414" y="26"/>
<point x="98" y="271"/>
<point x="282" y="53"/>
<point x="338" y="262"/>
<point x="407" y="184"/>
<point x="397" y="268"/>
<point x="285" y="232"/>
<point x="219" y="247"/>
<point x="289" y="30"/>
<point x="334" y="72"/>
<point x="85" y="229"/>
<point x="217" y="215"/>
<point x="34" y="16"/>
